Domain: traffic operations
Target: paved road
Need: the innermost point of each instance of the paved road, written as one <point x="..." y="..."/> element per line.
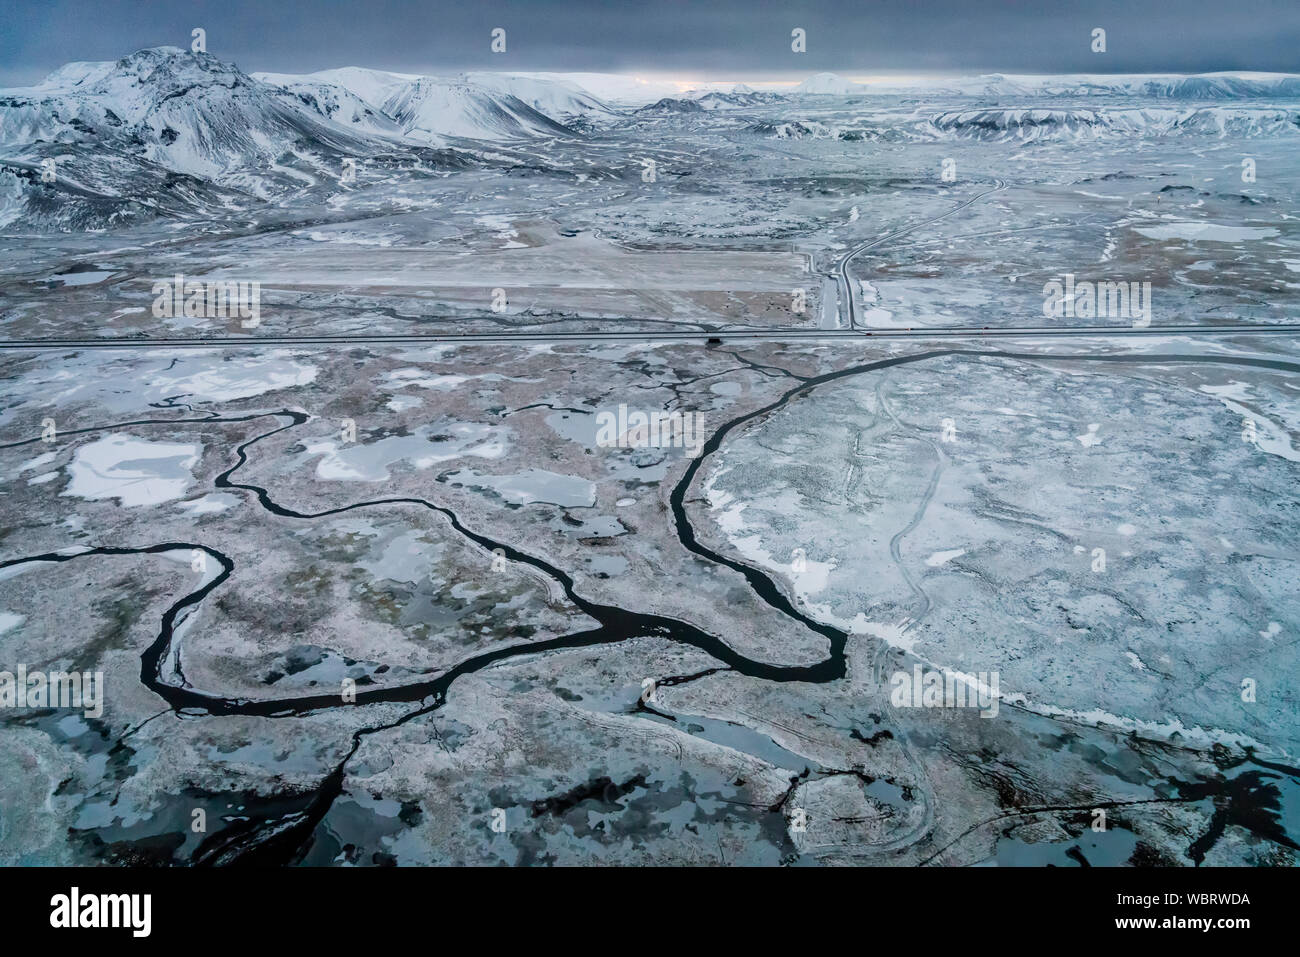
<point x="843" y="268"/>
<point x="1113" y="332"/>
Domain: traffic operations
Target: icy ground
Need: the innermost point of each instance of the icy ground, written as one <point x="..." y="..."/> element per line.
<point x="566" y="650"/>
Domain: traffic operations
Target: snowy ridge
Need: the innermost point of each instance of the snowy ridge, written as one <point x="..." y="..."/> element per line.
<point x="1038" y="124"/>
<point x="1200" y="87"/>
<point x="371" y="86"/>
<point x="472" y="105"/>
<point x="553" y="98"/>
<point x="164" y="131"/>
<point x="1042" y="124"/>
<point x="335" y="103"/>
<point x="187" y="112"/>
<point x="167" y="131"/>
<point x="429" y="110"/>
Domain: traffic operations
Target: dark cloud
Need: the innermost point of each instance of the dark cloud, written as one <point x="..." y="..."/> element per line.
<point x="700" y="38"/>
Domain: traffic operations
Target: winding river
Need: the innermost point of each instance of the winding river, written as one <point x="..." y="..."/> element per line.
<point x="287" y="840"/>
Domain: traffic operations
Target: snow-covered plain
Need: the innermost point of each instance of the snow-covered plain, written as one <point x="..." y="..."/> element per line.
<point x="1098" y="531"/>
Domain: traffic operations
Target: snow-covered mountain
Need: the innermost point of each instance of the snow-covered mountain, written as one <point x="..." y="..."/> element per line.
<point x="334" y="102"/>
<point x="736" y="99"/>
<point x="187" y="112"/>
<point x="168" y="131"/>
<point x="612" y="89"/>
<point x="793" y="130"/>
<point x="1045" y="124"/>
<point x="430" y="109"/>
<point x="1195" y="87"/>
<point x="472" y="105"/>
<point x="702" y="101"/>
<point x="556" y="99"/>
<point x="1203" y="87"/>
<point x="672" y="104"/>
<point x="1041" y="124"/>
<point x="371" y="86"/>
<point x="622" y="91"/>
<point x="479" y="105"/>
<point x="193" y="113"/>
<point x="828" y="84"/>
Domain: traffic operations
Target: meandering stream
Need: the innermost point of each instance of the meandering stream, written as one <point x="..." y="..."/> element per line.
<point x="286" y="840"/>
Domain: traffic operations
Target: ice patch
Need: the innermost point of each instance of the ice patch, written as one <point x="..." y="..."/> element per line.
<point x="1234" y="390"/>
<point x="79" y="278"/>
<point x="399" y="378"/>
<point x="369" y="462"/>
<point x="503" y="228"/>
<point x="943" y="558"/>
<point x="36" y="463"/>
<point x="210" y="504"/>
<point x="207" y="378"/>
<point x="1206" y="232"/>
<point x="807" y="576"/>
<point x="406" y="558"/>
<point x="400" y="403"/>
<point x="533" y="485"/>
<point x="1269" y="436"/>
<point x="1161" y="730"/>
<point x="896" y="636"/>
<point x="350" y="238"/>
<point x="134" y="471"/>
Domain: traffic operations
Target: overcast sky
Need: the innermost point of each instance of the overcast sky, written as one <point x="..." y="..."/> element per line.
<point x="705" y="39"/>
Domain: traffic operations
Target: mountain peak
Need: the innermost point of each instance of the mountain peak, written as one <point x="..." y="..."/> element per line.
<point x="828" y="84"/>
